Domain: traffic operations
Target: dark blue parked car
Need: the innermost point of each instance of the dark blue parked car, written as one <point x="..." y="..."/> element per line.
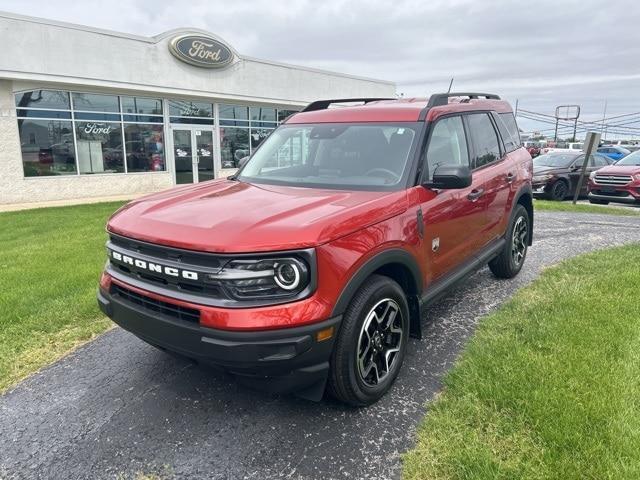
<point x="614" y="152"/>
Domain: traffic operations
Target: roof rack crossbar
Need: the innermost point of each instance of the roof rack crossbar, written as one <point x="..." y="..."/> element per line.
<point x="324" y="104"/>
<point x="440" y="99"/>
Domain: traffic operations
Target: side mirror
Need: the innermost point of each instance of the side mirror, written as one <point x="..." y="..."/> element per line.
<point x="451" y="177"/>
<point x="242" y="162"/>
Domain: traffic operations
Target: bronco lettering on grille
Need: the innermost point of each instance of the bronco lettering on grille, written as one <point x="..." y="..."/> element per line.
<point x="154" y="267"/>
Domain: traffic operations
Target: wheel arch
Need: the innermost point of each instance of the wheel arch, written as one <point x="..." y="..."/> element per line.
<point x="400" y="266"/>
<point x="524" y="197"/>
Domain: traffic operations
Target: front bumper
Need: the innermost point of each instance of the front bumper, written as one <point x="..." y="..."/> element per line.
<point x="621" y="194"/>
<point x="279" y="361"/>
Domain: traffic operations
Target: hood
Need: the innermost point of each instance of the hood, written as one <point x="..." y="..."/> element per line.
<point x="619" y="170"/>
<point x="236" y="217"/>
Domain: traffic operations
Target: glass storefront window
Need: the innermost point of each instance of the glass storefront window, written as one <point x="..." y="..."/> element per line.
<point x="233" y="112"/>
<point x="47" y="147"/>
<point x="283" y="114"/>
<point x="144" y="145"/>
<point x="181" y="108"/>
<point x="234" y="146"/>
<point x="258" y="135"/>
<point x="263" y="114"/>
<point x="142" y="105"/>
<point x="43" y="99"/>
<point x="99" y="147"/>
<point x="95" y="102"/>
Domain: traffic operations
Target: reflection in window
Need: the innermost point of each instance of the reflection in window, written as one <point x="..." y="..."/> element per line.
<point x="43" y="99"/>
<point x="485" y="139"/>
<point x="47" y="147"/>
<point x="233" y="112"/>
<point x="144" y="105"/>
<point x="447" y="145"/>
<point x="99" y="147"/>
<point x="234" y="146"/>
<point x="263" y="114"/>
<point x="144" y="145"/>
<point x="258" y="135"/>
<point x="95" y="102"/>
<point x="182" y="108"/>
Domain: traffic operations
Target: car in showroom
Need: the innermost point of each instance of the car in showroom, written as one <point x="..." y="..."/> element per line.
<point x="309" y="269"/>
<point x="556" y="174"/>
<point x="618" y="183"/>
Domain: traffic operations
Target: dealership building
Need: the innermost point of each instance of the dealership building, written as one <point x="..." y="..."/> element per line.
<point x="88" y="113"/>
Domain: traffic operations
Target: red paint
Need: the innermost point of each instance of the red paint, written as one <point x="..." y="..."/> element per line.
<point x="347" y="228"/>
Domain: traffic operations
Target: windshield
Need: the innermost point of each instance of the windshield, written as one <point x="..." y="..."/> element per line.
<point x="631" y="159"/>
<point x="370" y="156"/>
<point x="554" y="160"/>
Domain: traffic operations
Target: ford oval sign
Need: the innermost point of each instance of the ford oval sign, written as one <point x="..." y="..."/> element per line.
<point x="201" y="51"/>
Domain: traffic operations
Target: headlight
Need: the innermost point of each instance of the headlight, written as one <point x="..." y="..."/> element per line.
<point x="637" y="177"/>
<point x="542" y="178"/>
<point x="592" y="175"/>
<point x="277" y="277"/>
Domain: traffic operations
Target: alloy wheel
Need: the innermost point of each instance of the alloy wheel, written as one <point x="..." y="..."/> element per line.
<point x="379" y="342"/>
<point x="519" y="240"/>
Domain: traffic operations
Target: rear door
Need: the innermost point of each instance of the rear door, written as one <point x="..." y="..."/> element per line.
<point x="493" y="171"/>
<point x="452" y="218"/>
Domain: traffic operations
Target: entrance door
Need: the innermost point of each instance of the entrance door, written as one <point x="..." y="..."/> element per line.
<point x="193" y="155"/>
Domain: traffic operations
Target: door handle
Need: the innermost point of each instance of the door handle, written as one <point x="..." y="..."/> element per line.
<point x="475" y="194"/>
<point x="510" y="177"/>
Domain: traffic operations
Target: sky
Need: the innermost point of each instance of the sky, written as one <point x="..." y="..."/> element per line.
<point x="541" y="53"/>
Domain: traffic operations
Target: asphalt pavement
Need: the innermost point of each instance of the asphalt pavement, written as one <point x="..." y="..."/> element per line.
<point x="118" y="408"/>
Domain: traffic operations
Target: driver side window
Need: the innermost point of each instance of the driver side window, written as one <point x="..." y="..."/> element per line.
<point x="447" y="145"/>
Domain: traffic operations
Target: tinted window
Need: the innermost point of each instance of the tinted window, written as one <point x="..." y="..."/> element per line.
<point x="234" y="146"/>
<point x="149" y="106"/>
<point x="95" y="102"/>
<point x="485" y="139"/>
<point x="447" y="145"/>
<point x="47" y="147"/>
<point x="43" y="99"/>
<point x="512" y="126"/>
<point x="99" y="147"/>
<point x="510" y="138"/>
<point x="144" y="145"/>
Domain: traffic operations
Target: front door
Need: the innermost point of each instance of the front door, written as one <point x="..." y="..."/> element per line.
<point x="193" y="155"/>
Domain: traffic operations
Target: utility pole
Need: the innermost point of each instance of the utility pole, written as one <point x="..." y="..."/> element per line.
<point x="450" y="84"/>
<point x="516" y="112"/>
<point x="604" y="117"/>
<point x="591" y="142"/>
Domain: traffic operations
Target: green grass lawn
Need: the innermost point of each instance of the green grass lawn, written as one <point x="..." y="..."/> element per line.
<point x="568" y="206"/>
<point x="549" y="386"/>
<point x="50" y="263"/>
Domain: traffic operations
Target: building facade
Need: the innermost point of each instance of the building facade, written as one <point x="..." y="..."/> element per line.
<point x="92" y="113"/>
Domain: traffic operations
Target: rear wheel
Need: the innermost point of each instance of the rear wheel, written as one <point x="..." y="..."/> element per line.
<point x="370" y="348"/>
<point x="511" y="259"/>
<point x="558" y="191"/>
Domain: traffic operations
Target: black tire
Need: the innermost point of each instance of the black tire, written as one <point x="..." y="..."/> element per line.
<point x="508" y="263"/>
<point x="598" y="202"/>
<point x="346" y="381"/>
<point x="558" y="191"/>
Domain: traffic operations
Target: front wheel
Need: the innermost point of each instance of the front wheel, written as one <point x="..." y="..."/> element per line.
<point x="370" y="348"/>
<point x="558" y="191"/>
<point x="511" y="259"/>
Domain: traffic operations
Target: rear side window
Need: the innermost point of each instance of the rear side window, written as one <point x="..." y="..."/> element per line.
<point x="508" y="131"/>
<point x="447" y="145"/>
<point x="485" y="139"/>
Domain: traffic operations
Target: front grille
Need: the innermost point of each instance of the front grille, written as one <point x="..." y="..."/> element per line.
<point x="612" y="179"/>
<point x="169" y="309"/>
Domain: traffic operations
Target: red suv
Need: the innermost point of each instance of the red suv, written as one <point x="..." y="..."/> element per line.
<point x="617" y="183"/>
<point x="311" y="267"/>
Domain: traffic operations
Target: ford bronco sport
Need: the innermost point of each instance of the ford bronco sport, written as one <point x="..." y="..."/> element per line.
<point x="310" y="268"/>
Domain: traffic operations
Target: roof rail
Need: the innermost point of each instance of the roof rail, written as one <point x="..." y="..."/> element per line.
<point x="440" y="99"/>
<point x="324" y="104"/>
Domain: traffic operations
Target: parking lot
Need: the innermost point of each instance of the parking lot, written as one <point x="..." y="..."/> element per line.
<point x="119" y="407"/>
